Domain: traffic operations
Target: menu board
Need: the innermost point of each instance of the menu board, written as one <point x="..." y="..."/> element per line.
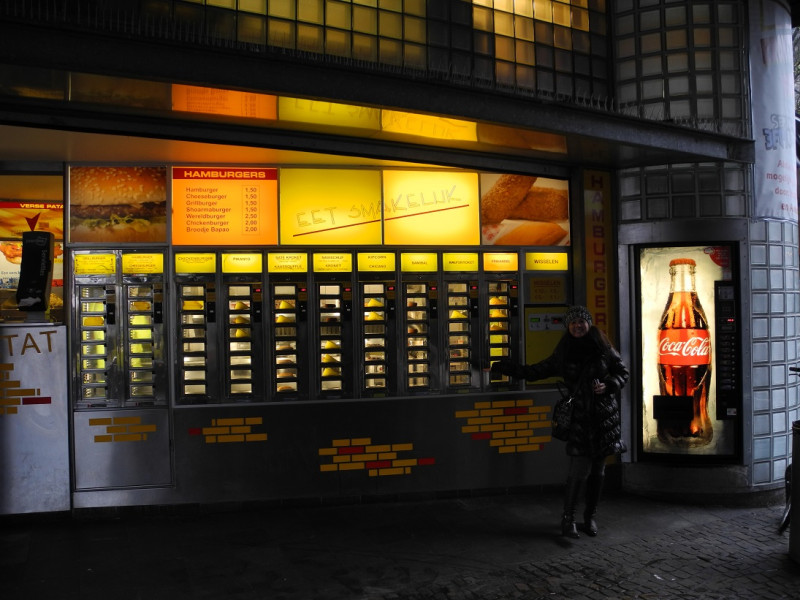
<point x="330" y="207"/>
<point x="19" y="216"/>
<point x="215" y="101"/>
<point x="437" y="208"/>
<point x="224" y="206"/>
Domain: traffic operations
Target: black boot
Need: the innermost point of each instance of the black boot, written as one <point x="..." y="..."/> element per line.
<point x="593" y="488"/>
<point x="568" y="527"/>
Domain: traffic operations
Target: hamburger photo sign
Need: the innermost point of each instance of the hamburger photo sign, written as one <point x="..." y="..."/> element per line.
<point x="118" y="204"/>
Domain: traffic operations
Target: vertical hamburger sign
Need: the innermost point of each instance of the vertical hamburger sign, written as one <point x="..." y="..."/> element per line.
<point x="118" y="204"/>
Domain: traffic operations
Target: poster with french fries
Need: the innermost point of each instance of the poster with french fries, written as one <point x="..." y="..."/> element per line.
<point x="524" y="210"/>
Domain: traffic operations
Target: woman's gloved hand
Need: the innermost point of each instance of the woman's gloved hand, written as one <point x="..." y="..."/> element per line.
<point x="506" y="366"/>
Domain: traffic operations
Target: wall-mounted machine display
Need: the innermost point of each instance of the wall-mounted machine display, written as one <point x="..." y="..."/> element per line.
<point x="288" y="276"/>
<point x="377" y="325"/>
<point x="118" y="318"/>
<point x="462" y="338"/>
<point x="420" y="283"/>
<point x="501" y="285"/>
<point x="691" y="395"/>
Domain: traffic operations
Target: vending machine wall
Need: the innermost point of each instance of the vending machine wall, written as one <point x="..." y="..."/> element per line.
<point x="420" y="324"/>
<point x="333" y="336"/>
<point x="377" y="334"/>
<point x="289" y="336"/>
<point x="462" y="338"/>
<point x="243" y="305"/>
<point x="119" y="386"/>
<point x="197" y="370"/>
<point x="500" y="315"/>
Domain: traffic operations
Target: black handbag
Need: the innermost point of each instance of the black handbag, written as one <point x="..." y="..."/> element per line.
<point x="562" y="416"/>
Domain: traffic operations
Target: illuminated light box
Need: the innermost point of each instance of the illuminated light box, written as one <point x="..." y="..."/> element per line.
<point x="431" y="208"/>
<point x="333" y="262"/>
<point x="214" y="101"/>
<point x="500" y="261"/>
<point x="19" y="216"/>
<point x="419" y="262"/>
<point x="376" y="261"/>
<point x="201" y="262"/>
<point x="94" y="264"/>
<point x="330" y="207"/>
<point x="546" y="261"/>
<point x="242" y="263"/>
<point x="460" y="261"/>
<point x="214" y="206"/>
<point x="319" y="112"/>
<point x="142" y="263"/>
<point x="287" y="262"/>
<point x="428" y="126"/>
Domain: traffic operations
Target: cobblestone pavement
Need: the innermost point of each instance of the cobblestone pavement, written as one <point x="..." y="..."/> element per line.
<point x="471" y="548"/>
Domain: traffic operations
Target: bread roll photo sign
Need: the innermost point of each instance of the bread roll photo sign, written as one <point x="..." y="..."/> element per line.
<point x="118" y="204"/>
<point x="524" y="210"/>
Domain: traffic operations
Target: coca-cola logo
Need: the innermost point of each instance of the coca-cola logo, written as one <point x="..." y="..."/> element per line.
<point x="684" y="346"/>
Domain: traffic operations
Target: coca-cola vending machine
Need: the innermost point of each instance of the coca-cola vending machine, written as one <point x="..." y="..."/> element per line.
<point x="690" y="352"/>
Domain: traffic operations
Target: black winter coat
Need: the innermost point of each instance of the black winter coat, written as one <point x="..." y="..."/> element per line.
<point x="596" y="429"/>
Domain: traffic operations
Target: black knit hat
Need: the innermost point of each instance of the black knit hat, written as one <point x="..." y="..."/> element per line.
<point x="577" y="312"/>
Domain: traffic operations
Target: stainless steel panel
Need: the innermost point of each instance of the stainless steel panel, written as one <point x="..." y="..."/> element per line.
<point x="34" y="430"/>
<point x="122" y="448"/>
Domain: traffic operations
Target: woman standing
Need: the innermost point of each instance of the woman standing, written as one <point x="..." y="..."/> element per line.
<point x="594" y="373"/>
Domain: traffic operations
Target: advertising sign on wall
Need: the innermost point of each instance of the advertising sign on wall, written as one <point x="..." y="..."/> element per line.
<point x="679" y="362"/>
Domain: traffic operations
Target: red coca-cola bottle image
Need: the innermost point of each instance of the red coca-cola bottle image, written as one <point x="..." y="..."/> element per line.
<point x="684" y="360"/>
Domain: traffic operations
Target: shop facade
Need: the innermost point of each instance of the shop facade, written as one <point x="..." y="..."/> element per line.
<point x="290" y="239"/>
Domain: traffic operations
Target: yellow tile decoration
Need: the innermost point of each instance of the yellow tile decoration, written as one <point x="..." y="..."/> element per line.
<point x="13" y="395"/>
<point x="360" y="454"/>
<point x="121" y="429"/>
<point x="508" y="425"/>
<point x="231" y="430"/>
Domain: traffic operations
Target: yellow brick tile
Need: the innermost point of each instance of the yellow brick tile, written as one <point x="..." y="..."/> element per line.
<point x="491" y="428"/>
<point x="480" y="405"/>
<point x="508" y="419"/>
<point x="12" y="402"/>
<point x="242" y="429"/>
<point x="150" y="428"/>
<point x="504" y="434"/>
<point x="492" y="412"/>
<point x="373" y="472"/>
<point x="364" y="457"/>
<point x="503" y="404"/>
<point x="216" y="430"/>
<point x="230" y="438"/>
<point x="496" y="442"/>
<point x="117" y="429"/>
<point x="378" y="448"/>
<point x="540" y="409"/>
<point x="514" y="426"/>
<point x="102" y="438"/>
<point x="328" y="468"/>
<point x="254" y="421"/>
<point x="408" y="470"/>
<point x="127" y="437"/>
<point x="402" y="447"/>
<point x="405" y="462"/>
<point x="211" y="439"/>
<point x="341" y="459"/>
<point x="98" y="422"/>
<point x="479" y="420"/>
<point x="528" y="448"/>
<point x="507" y="449"/>
<point x="470" y="429"/>
<point x="516" y="441"/>
<point x="230" y="422"/>
<point x="328" y="451"/>
<point x="127" y="420"/>
<point x="527" y="402"/>
<point x="522" y="418"/>
<point x="541" y="425"/>
<point x="463" y="414"/>
<point x="360" y="441"/>
<point x="256" y="437"/>
<point x="387" y="455"/>
<point x="12" y="410"/>
<point x="540" y="439"/>
<point x="356" y="466"/>
<point x="390" y="471"/>
<point x="339" y="443"/>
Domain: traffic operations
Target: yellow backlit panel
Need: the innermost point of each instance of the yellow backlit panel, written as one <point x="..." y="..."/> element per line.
<point x="460" y="261"/>
<point x="287" y="262"/>
<point x="428" y="126"/>
<point x="376" y="261"/>
<point x="139" y="263"/>
<point x="500" y="261"/>
<point x="546" y="261"/>
<point x="318" y="112"/>
<point x="214" y="101"/>
<point x="94" y="264"/>
<point x="431" y="207"/>
<point x="333" y="262"/>
<point x="205" y="262"/>
<point x="242" y="263"/>
<point x="411" y="262"/>
<point x="330" y="206"/>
